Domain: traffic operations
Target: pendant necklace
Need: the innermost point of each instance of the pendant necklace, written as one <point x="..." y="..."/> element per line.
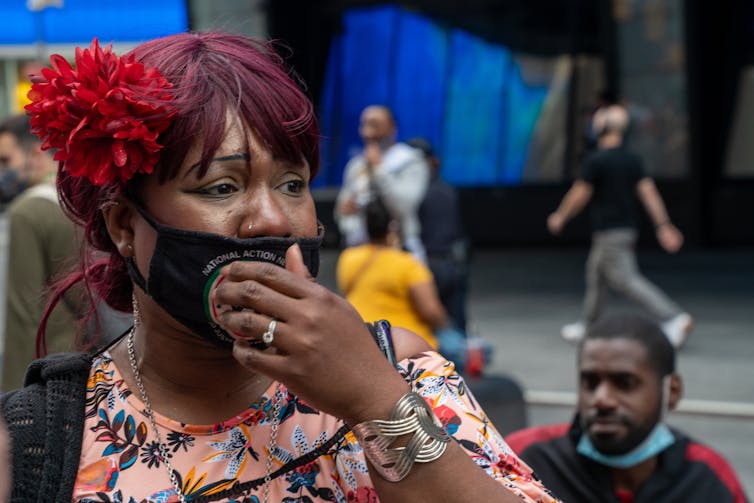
<point x="277" y="405"/>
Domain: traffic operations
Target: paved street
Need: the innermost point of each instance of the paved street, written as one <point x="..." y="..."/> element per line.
<point x="520" y="298"/>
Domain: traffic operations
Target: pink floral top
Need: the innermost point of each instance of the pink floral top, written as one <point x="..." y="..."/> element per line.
<point x="121" y="462"/>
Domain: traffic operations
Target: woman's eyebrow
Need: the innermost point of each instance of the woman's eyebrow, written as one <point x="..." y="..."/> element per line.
<point x="296" y="166"/>
<point x="230" y="157"/>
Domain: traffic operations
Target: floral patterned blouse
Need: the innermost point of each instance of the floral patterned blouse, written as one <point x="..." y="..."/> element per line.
<point x="121" y="461"/>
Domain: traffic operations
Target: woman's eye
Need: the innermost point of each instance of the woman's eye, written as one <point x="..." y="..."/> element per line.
<point x="294" y="186"/>
<point x="220" y="189"/>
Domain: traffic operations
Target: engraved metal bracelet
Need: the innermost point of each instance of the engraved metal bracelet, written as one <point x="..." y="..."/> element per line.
<point x="411" y="415"/>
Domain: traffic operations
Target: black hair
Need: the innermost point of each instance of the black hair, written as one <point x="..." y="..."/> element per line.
<point x="19" y="126"/>
<point x="378" y="219"/>
<point x="660" y="353"/>
<point x="607" y="97"/>
<point x="423" y="145"/>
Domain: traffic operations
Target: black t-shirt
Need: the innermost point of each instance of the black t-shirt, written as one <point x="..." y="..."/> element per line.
<point x="614" y="174"/>
<point x="686" y="472"/>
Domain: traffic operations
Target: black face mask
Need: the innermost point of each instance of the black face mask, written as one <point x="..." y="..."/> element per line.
<point x="11" y="185"/>
<point x="185" y="267"/>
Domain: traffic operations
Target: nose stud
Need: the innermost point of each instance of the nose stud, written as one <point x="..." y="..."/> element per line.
<point x="251" y="226"/>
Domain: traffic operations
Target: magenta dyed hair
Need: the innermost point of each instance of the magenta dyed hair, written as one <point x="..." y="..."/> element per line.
<point x="211" y="73"/>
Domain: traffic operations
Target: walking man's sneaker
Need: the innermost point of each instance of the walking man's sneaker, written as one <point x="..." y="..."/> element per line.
<point x="573" y="332"/>
<point x="678" y="328"/>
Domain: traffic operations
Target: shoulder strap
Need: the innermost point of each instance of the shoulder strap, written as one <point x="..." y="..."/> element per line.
<point x="241" y="488"/>
<point x="45" y="420"/>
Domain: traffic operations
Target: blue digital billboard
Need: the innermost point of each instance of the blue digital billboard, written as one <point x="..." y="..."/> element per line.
<point x="467" y="96"/>
<point x="78" y="21"/>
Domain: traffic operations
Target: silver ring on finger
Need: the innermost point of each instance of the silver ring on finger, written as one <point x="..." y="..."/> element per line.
<point x="269" y="335"/>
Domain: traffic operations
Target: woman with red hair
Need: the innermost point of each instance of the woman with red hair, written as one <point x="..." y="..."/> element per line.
<point x="188" y="162"/>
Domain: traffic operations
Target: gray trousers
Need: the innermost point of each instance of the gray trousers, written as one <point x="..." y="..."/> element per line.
<point x="612" y="264"/>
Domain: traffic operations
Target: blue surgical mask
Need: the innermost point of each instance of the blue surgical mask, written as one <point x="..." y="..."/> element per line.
<point x="659" y="439"/>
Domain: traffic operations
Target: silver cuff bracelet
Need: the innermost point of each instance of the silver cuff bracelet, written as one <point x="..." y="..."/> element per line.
<point x="410" y="415"/>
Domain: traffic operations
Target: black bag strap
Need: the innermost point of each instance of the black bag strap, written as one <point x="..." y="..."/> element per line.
<point x="240" y="488"/>
<point x="381" y="334"/>
<point x="380" y="331"/>
<point x="46" y="423"/>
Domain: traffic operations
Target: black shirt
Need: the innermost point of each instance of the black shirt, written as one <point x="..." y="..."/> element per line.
<point x="687" y="471"/>
<point x="440" y="218"/>
<point x="614" y="174"/>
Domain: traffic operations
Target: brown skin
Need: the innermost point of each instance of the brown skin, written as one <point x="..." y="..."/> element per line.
<point x="620" y="402"/>
<point x="668" y="235"/>
<point x="314" y="324"/>
<point x="427" y="303"/>
<point x="11" y="153"/>
<point x="33" y="163"/>
<point x="573" y="202"/>
<point x="377" y="130"/>
<point x="580" y="193"/>
<point x="376" y="125"/>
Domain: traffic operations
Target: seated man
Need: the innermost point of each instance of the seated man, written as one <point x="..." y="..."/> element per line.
<point x="619" y="448"/>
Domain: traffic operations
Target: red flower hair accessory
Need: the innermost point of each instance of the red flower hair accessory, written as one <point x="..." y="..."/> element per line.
<point x="104" y="117"/>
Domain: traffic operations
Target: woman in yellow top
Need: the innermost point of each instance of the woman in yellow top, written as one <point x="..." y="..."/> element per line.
<point x="383" y="281"/>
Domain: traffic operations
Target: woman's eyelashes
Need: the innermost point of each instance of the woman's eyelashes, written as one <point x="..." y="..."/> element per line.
<point x="219" y="189"/>
<point x="293" y="187"/>
<point x="227" y="178"/>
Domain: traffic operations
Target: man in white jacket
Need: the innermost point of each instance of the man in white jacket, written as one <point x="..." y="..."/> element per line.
<point x="397" y="173"/>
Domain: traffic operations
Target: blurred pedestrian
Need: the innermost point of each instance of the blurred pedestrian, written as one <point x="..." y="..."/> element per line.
<point x="382" y="281"/>
<point x="41" y="241"/>
<point x="15" y="142"/>
<point x="444" y="241"/>
<point x="395" y="171"/>
<point x="611" y="178"/>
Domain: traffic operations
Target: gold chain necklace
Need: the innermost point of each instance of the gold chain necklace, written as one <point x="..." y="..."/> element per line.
<point x="277" y="406"/>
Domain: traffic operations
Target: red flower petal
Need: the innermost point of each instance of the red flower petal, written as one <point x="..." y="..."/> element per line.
<point x="104" y="116"/>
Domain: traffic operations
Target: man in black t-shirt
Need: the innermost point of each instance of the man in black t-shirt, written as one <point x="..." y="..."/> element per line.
<point x="611" y="179"/>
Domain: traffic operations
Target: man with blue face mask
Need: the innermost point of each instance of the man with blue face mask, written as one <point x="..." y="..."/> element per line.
<point x="619" y="449"/>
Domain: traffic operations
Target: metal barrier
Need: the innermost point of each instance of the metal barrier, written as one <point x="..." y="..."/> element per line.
<point x="689" y="406"/>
